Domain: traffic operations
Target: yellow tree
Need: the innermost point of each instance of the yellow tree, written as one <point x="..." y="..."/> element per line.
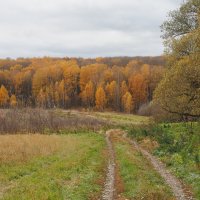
<point x="127" y="102"/>
<point x="13" y="101"/>
<point x="145" y="72"/>
<point x="94" y="73"/>
<point x="18" y="80"/>
<point x="111" y="90"/>
<point x="85" y="76"/>
<point x="123" y="88"/>
<point x="100" y="99"/>
<point x="61" y="94"/>
<point x="88" y="94"/>
<point x="132" y="68"/>
<point x="108" y="75"/>
<point x="56" y="98"/>
<point x="71" y="80"/>
<point x="40" y="80"/>
<point x="41" y="98"/>
<point x="4" y="97"/>
<point x="137" y="87"/>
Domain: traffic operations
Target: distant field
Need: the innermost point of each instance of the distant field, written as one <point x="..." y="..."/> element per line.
<point x="121" y="118"/>
<point x="51" y="167"/>
<point x="114" y="118"/>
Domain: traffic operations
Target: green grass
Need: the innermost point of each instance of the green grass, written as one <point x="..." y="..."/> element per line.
<point x="72" y="173"/>
<point x="140" y="180"/>
<point x="122" y="118"/>
<point x="183" y="154"/>
<point x="179" y="148"/>
<point x="111" y="120"/>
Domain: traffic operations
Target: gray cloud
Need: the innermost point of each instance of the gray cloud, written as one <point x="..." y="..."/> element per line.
<point x="85" y="28"/>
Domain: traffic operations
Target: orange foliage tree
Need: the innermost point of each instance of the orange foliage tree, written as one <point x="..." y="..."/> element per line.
<point x="13" y="101"/>
<point x="111" y="91"/>
<point x="127" y="102"/>
<point x="4" y="97"/>
<point x="88" y="94"/>
<point x="100" y="99"/>
<point x="138" y="90"/>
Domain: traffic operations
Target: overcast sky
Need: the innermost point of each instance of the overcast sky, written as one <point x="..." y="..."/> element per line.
<point x="83" y="28"/>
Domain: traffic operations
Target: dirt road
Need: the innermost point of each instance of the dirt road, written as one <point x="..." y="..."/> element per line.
<point x="108" y="193"/>
<point x="170" y="179"/>
<point x="109" y="187"/>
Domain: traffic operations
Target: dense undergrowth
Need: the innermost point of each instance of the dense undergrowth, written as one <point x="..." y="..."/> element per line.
<point x="178" y="145"/>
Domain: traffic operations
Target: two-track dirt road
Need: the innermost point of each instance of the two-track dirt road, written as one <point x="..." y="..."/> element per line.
<point x="109" y="192"/>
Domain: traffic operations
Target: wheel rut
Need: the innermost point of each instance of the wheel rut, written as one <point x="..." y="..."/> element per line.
<point x="175" y="185"/>
<point x="109" y="186"/>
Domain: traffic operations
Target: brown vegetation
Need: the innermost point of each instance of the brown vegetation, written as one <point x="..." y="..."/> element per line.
<point x="45" y="121"/>
<point x="21" y="148"/>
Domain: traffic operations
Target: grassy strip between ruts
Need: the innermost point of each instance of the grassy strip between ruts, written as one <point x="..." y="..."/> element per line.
<point x="73" y="172"/>
<point x="140" y="180"/>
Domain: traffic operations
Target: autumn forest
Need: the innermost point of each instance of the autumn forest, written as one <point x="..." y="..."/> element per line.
<point x="118" y="84"/>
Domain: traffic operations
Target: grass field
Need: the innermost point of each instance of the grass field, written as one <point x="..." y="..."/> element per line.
<point x="72" y="164"/>
<point x="72" y="168"/>
<point x="113" y="118"/>
<point x="123" y="119"/>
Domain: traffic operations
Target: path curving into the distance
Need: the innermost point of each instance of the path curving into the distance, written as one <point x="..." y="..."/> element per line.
<point x="170" y="179"/>
<point x="109" y="186"/>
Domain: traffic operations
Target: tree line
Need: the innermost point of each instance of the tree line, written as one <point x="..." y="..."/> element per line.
<point x="120" y="84"/>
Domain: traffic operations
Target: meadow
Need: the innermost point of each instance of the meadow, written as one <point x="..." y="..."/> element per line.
<point x="52" y="167"/>
<point x="67" y="157"/>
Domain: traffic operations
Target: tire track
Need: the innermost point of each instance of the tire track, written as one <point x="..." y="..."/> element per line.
<point x="170" y="179"/>
<point x="109" y="186"/>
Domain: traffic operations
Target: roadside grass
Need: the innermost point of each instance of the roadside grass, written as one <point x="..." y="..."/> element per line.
<point x="178" y="147"/>
<point x="140" y="180"/>
<point x="74" y="171"/>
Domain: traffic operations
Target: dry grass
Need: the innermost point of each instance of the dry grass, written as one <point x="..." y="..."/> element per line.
<point x="13" y="121"/>
<point x="21" y="148"/>
<point x="71" y="171"/>
<point x="113" y="118"/>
